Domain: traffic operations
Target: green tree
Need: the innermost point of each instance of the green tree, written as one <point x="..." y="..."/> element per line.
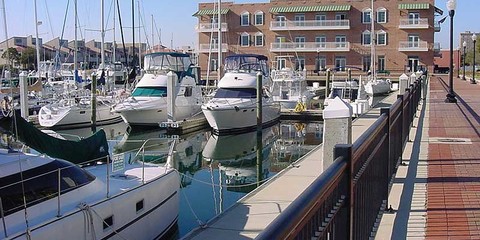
<point x="28" y="58"/>
<point x="11" y="55"/>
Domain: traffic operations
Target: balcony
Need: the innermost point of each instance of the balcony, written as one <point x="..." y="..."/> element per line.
<point x="436" y="50"/>
<point x="416" y="23"/>
<point x="310" y="47"/>
<point x="310" y="25"/>
<point x="417" y="46"/>
<point x="209" y="27"/>
<point x="437" y="27"/>
<point x="205" y="48"/>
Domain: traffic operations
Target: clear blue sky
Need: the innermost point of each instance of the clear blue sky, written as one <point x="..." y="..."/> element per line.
<point x="173" y="17"/>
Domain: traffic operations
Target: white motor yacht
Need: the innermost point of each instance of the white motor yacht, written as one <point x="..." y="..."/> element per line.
<point x="46" y="198"/>
<point x="148" y="102"/>
<point x="234" y="105"/>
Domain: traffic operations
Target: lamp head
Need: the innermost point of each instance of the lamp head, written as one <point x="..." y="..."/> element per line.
<point x="451" y="5"/>
<point x="474" y="37"/>
<point x="464" y="44"/>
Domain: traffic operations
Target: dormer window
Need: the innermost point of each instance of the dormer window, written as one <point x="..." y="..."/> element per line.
<point x="367" y="15"/>
<point x="259" y="18"/>
<point x="245" y="19"/>
<point x="381" y="15"/>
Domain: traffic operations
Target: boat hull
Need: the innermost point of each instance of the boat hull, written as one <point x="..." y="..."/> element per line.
<point x="237" y="117"/>
<point x="75" y="117"/>
<point x="153" y="112"/>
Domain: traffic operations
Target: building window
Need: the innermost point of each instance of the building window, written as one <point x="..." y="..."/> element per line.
<point x="381" y="15"/>
<point x="213" y="64"/>
<point x="259" y="39"/>
<point x="281" y="21"/>
<point x="340" y="16"/>
<point x="320" y="41"/>
<point x="300" y="42"/>
<point x="259" y="18"/>
<point x="340" y="63"/>
<point x="320" y="17"/>
<point x="300" y="63"/>
<point x="366" y="37"/>
<point x="381" y="38"/>
<point x="245" y="40"/>
<point x="367" y="15"/>
<point x="299" y="19"/>
<point x="381" y="64"/>
<point x="281" y="63"/>
<point x="245" y="19"/>
<point x="340" y="41"/>
<point x="413" y="17"/>
<point x="366" y="63"/>
<point x="320" y="63"/>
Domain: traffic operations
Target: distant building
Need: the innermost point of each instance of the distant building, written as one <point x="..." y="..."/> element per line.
<point x="442" y="61"/>
<point x="333" y="34"/>
<point x="19" y="43"/>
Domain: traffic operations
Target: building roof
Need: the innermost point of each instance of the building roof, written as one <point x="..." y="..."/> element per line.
<point x="210" y="12"/>
<point x="317" y="8"/>
<point x="413" y="6"/>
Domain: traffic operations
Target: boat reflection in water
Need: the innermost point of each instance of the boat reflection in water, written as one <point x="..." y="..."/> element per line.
<point x="236" y="157"/>
<point x="153" y="146"/>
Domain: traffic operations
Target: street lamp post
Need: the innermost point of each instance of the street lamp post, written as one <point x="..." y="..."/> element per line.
<point x="474" y="38"/>
<point x="451" y="4"/>
<point x="464" y="48"/>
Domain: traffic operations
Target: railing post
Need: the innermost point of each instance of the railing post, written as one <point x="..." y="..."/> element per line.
<point x="59" y="192"/>
<point x="390" y="165"/>
<point x="401" y="125"/>
<point x="345" y="150"/>
<point x="2" y="214"/>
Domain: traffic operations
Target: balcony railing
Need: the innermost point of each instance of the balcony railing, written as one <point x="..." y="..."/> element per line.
<point x="205" y="48"/>
<point x="208" y="27"/>
<point x="437" y="27"/>
<point x="415" y="46"/>
<point x="414" y="23"/>
<point x="310" y="47"/>
<point x="310" y="25"/>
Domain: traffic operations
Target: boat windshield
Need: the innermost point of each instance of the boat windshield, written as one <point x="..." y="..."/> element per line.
<point x="150" y="92"/>
<point x="248" y="64"/>
<point x="40" y="184"/>
<point x="236" y="93"/>
<point x="167" y="62"/>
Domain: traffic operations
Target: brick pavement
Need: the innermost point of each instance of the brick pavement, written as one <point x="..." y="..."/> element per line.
<point x="453" y="183"/>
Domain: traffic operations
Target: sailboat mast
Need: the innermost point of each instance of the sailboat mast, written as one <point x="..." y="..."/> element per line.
<point x="139" y="37"/>
<point x="6" y="33"/>
<point x="102" y="32"/>
<point x="37" y="44"/>
<point x="153" y="36"/>
<point x="372" y="42"/>
<point x="75" y="67"/>
<point x="133" y="34"/>
<point x="219" y="23"/>
<point x="114" y="58"/>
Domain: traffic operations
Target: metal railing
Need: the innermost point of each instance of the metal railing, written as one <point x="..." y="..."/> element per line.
<point x="413" y="23"/>
<point x="310" y="25"/>
<point x="348" y="198"/>
<point x="421" y="46"/>
<point x="310" y="47"/>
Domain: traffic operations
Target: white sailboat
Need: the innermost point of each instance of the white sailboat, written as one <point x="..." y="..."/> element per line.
<point x="375" y="85"/>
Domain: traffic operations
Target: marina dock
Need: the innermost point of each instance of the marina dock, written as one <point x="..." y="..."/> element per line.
<point x="434" y="194"/>
<point x="253" y="213"/>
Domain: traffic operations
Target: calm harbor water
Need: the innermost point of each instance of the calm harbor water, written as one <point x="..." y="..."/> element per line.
<point x="215" y="171"/>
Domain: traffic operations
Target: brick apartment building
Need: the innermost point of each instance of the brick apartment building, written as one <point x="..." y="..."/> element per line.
<point x="323" y="34"/>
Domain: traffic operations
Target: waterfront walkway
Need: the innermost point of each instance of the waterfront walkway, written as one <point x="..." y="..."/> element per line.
<point x="436" y="195"/>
